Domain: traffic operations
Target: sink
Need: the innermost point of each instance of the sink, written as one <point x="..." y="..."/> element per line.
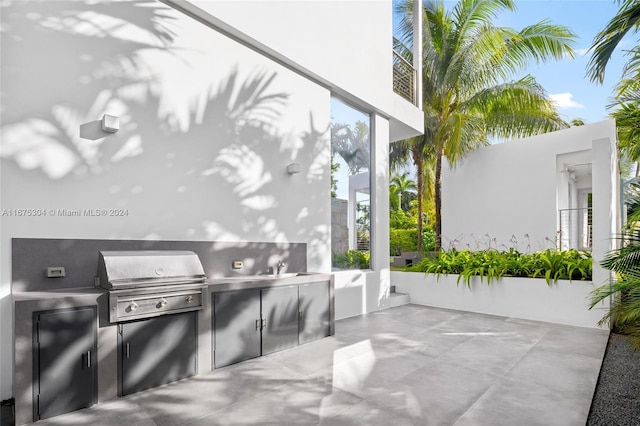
<point x="284" y="275"/>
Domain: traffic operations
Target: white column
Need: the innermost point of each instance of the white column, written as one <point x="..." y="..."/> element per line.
<point x="380" y="200"/>
<point x="606" y="208"/>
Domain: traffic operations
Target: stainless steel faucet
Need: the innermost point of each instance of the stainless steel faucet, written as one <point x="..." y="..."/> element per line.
<point x="280" y="266"/>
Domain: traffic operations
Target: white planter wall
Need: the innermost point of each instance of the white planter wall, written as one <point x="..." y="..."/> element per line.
<point x="563" y="302"/>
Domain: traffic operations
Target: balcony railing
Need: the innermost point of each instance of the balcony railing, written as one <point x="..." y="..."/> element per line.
<point x="404" y="78"/>
<point x="575" y="229"/>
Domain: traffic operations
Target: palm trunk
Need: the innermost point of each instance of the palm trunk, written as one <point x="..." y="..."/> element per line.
<point x="438" y="199"/>
<point x="417" y="160"/>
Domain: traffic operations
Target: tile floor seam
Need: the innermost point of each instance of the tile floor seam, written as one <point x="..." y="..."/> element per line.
<point x="475" y="402"/>
<point x="524" y="354"/>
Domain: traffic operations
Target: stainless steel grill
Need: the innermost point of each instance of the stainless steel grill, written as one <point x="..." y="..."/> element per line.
<point x="144" y="284"/>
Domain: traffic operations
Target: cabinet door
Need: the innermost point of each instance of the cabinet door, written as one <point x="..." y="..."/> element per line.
<point x="280" y="312"/>
<point x="314" y="311"/>
<point x="64" y="361"/>
<point x="157" y="351"/>
<point x="236" y="326"/>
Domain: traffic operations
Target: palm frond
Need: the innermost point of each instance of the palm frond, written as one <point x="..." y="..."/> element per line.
<point x="606" y="41"/>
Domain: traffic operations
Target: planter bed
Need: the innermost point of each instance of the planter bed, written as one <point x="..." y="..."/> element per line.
<point x="563" y="302"/>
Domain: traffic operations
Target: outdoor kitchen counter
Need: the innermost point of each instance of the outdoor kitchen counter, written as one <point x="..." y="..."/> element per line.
<point x="262" y="281"/>
<point x="83" y="294"/>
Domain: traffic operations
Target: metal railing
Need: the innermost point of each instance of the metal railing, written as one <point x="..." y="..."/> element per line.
<point x="404" y="78"/>
<point x="575" y="229"/>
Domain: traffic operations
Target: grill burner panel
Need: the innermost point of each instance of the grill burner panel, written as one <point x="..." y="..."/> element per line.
<point x="135" y="306"/>
<point x="144" y="284"/>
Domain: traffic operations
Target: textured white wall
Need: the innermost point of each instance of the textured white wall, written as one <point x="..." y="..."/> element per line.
<point x="347" y="45"/>
<point x="510" y="189"/>
<point x="207" y="129"/>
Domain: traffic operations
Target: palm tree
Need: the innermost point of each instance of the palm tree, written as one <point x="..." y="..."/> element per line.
<point x="421" y="151"/>
<point x="605" y="43"/>
<point x="352" y="145"/>
<point x="625" y="308"/>
<point x="468" y="94"/>
<point x="405" y="189"/>
<point x="627" y="96"/>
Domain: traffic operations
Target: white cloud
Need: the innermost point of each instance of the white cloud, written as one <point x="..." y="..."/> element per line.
<point x="582" y="52"/>
<point x="564" y="100"/>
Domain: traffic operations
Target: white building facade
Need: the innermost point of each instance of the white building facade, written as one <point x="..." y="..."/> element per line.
<point x="214" y="100"/>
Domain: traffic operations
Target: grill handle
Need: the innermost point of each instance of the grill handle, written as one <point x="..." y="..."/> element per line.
<point x="127" y="350"/>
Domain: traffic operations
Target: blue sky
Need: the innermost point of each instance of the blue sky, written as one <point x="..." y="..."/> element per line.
<point x="565" y="80"/>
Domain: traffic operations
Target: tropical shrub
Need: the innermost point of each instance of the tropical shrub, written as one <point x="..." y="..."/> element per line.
<point x="625" y="292"/>
<point x="352" y="259"/>
<point x="403" y="240"/>
<point x="552" y="265"/>
<point x="398" y="219"/>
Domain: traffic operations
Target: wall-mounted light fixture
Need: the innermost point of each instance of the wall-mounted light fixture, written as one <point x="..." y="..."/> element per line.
<point x="110" y="123"/>
<point x="293" y="168"/>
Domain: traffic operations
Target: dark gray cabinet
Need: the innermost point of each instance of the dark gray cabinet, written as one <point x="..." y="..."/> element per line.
<point x="280" y="316"/>
<point x="253" y="322"/>
<point x="236" y="324"/>
<point x="157" y="351"/>
<point x="314" y="312"/>
<point x="64" y="361"/>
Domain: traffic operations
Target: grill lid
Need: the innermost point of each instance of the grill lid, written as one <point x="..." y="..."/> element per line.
<point x="131" y="269"/>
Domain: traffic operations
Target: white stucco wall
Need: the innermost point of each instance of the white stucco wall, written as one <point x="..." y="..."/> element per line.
<point x="331" y="40"/>
<point x="207" y="127"/>
<point x="508" y="195"/>
<point x="511" y="189"/>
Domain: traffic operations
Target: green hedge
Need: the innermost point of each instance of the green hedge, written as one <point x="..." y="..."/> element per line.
<point x="552" y="265"/>
<point x="403" y="240"/>
<point x="352" y="259"/>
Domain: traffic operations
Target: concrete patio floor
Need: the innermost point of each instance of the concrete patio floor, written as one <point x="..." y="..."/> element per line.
<point x="401" y="366"/>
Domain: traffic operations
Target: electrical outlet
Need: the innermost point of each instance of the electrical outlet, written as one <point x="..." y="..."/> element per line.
<point x="237" y="264"/>
<point x="56" y="272"/>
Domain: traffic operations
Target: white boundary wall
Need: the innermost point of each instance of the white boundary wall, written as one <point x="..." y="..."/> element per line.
<point x="562" y="302"/>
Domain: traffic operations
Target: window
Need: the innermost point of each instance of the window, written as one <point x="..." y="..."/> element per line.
<point x="350" y="184"/>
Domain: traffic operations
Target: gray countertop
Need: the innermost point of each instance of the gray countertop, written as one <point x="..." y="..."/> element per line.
<point x="215" y="284"/>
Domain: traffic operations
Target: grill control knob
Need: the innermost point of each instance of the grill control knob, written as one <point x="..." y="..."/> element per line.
<point x="133" y="306"/>
<point x="189" y="299"/>
<point x="163" y="302"/>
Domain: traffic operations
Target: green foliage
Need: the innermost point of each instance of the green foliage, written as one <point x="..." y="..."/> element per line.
<point x="398" y="219"/>
<point x="352" y="259"/>
<point x="403" y="240"/>
<point x="472" y="84"/>
<point x="552" y="265"/>
<point x="334" y="181"/>
<point x="625" y="292"/>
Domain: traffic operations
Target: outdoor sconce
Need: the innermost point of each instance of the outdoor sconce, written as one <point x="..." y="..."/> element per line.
<point x="293" y="168"/>
<point x="110" y="123"/>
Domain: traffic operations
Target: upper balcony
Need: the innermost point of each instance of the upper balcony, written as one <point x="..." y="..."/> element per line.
<point x="404" y="78"/>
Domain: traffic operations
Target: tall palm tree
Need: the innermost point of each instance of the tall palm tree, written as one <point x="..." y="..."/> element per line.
<point x="406" y="190"/>
<point x="468" y="89"/>
<point x="420" y="150"/>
